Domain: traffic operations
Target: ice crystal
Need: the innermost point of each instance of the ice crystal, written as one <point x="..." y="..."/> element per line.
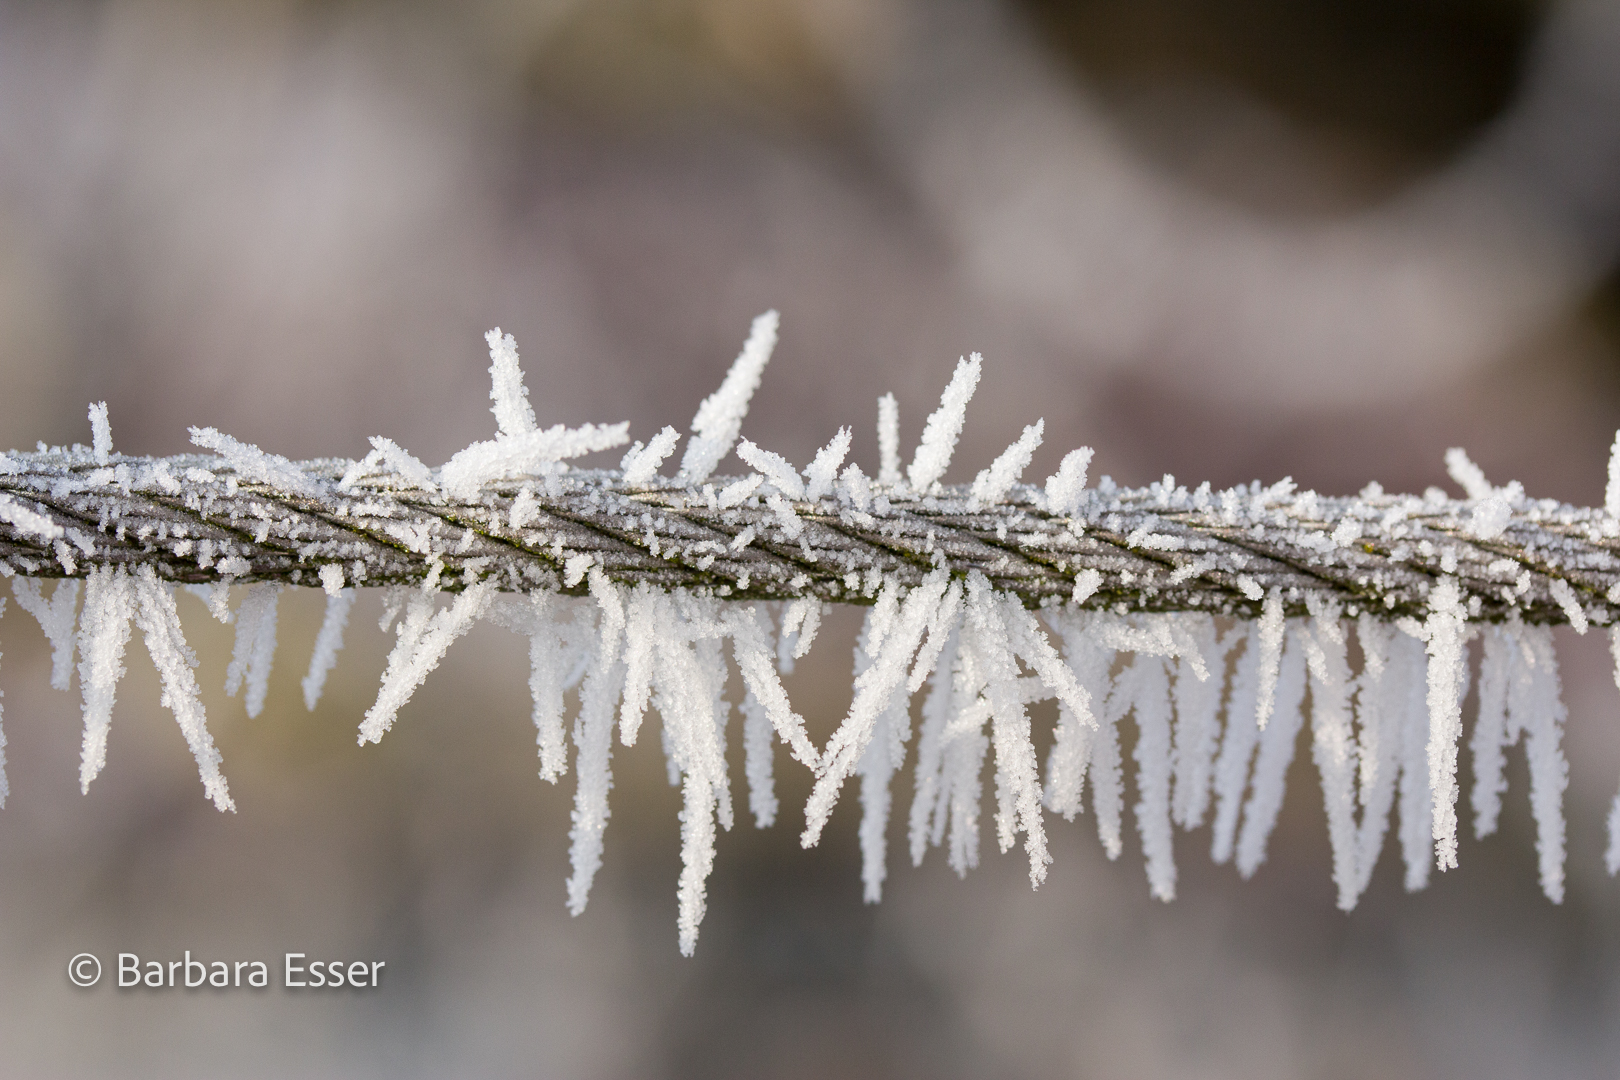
<point x="944" y="427"/>
<point x="719" y="419"/>
<point x="328" y="643"/>
<point x="255" y="646"/>
<point x="56" y="617"/>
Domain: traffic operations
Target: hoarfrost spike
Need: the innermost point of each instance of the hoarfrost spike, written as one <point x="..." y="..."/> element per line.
<point x="1535" y="709"/>
<point x="992" y="485"/>
<point x="404" y="464"/>
<point x="1379" y="714"/>
<point x="1108" y="775"/>
<point x="1018" y="791"/>
<point x="875" y="688"/>
<point x="1469" y="477"/>
<point x="513" y="413"/>
<point x="56" y="618"/>
<point x="1197" y="724"/>
<point x="251" y="463"/>
<point x="1498" y="664"/>
<point x="775" y="468"/>
<point x="1409" y="691"/>
<point x="799" y="625"/>
<point x="109" y="604"/>
<point x="1237" y="747"/>
<point x="1271" y="646"/>
<point x="1071" y="749"/>
<point x="1065" y="487"/>
<point x="521" y="456"/>
<point x="155" y="614"/>
<point x="888" y="432"/>
<point x="255" y="646"/>
<point x="822" y="472"/>
<point x="100" y="433"/>
<point x="1444" y="635"/>
<point x="424" y="637"/>
<point x="640" y="464"/>
<point x="1149" y="693"/>
<point x="559" y="653"/>
<point x="1276" y="754"/>
<point x="1333" y="745"/>
<point x="648" y="619"/>
<point x="751" y="649"/>
<point x="593" y="738"/>
<point x="929" y="804"/>
<point x="877" y="765"/>
<point x="944" y="427"/>
<point x="758" y="762"/>
<point x="328" y="643"/>
<point x="719" y="419"/>
<point x="687" y="677"/>
<point x="29" y="522"/>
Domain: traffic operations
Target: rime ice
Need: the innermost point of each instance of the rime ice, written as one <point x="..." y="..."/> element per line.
<point x="1187" y="624"/>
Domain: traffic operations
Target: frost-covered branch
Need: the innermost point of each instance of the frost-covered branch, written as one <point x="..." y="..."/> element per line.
<point x="630" y="583"/>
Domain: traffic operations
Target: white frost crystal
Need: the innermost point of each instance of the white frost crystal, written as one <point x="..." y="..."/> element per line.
<point x="720" y="417"/>
<point x="944" y="427"/>
<point x="255" y="646"/>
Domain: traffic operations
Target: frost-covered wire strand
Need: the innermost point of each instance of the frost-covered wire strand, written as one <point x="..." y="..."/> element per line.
<point x="629" y="583"/>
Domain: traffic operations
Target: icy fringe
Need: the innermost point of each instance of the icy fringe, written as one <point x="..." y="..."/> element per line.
<point x="1192" y="691"/>
<point x="1218" y="704"/>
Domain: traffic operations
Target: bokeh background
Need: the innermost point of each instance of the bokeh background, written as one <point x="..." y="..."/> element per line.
<point x="1225" y="239"/>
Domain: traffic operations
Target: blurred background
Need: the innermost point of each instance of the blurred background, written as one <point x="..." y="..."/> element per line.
<point x="1225" y="239"/>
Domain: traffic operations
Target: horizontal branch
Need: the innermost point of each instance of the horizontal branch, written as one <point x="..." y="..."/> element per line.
<point x="195" y="519"/>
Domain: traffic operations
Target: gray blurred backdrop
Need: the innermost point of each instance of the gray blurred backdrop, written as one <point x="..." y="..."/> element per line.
<point x="1225" y="239"/>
